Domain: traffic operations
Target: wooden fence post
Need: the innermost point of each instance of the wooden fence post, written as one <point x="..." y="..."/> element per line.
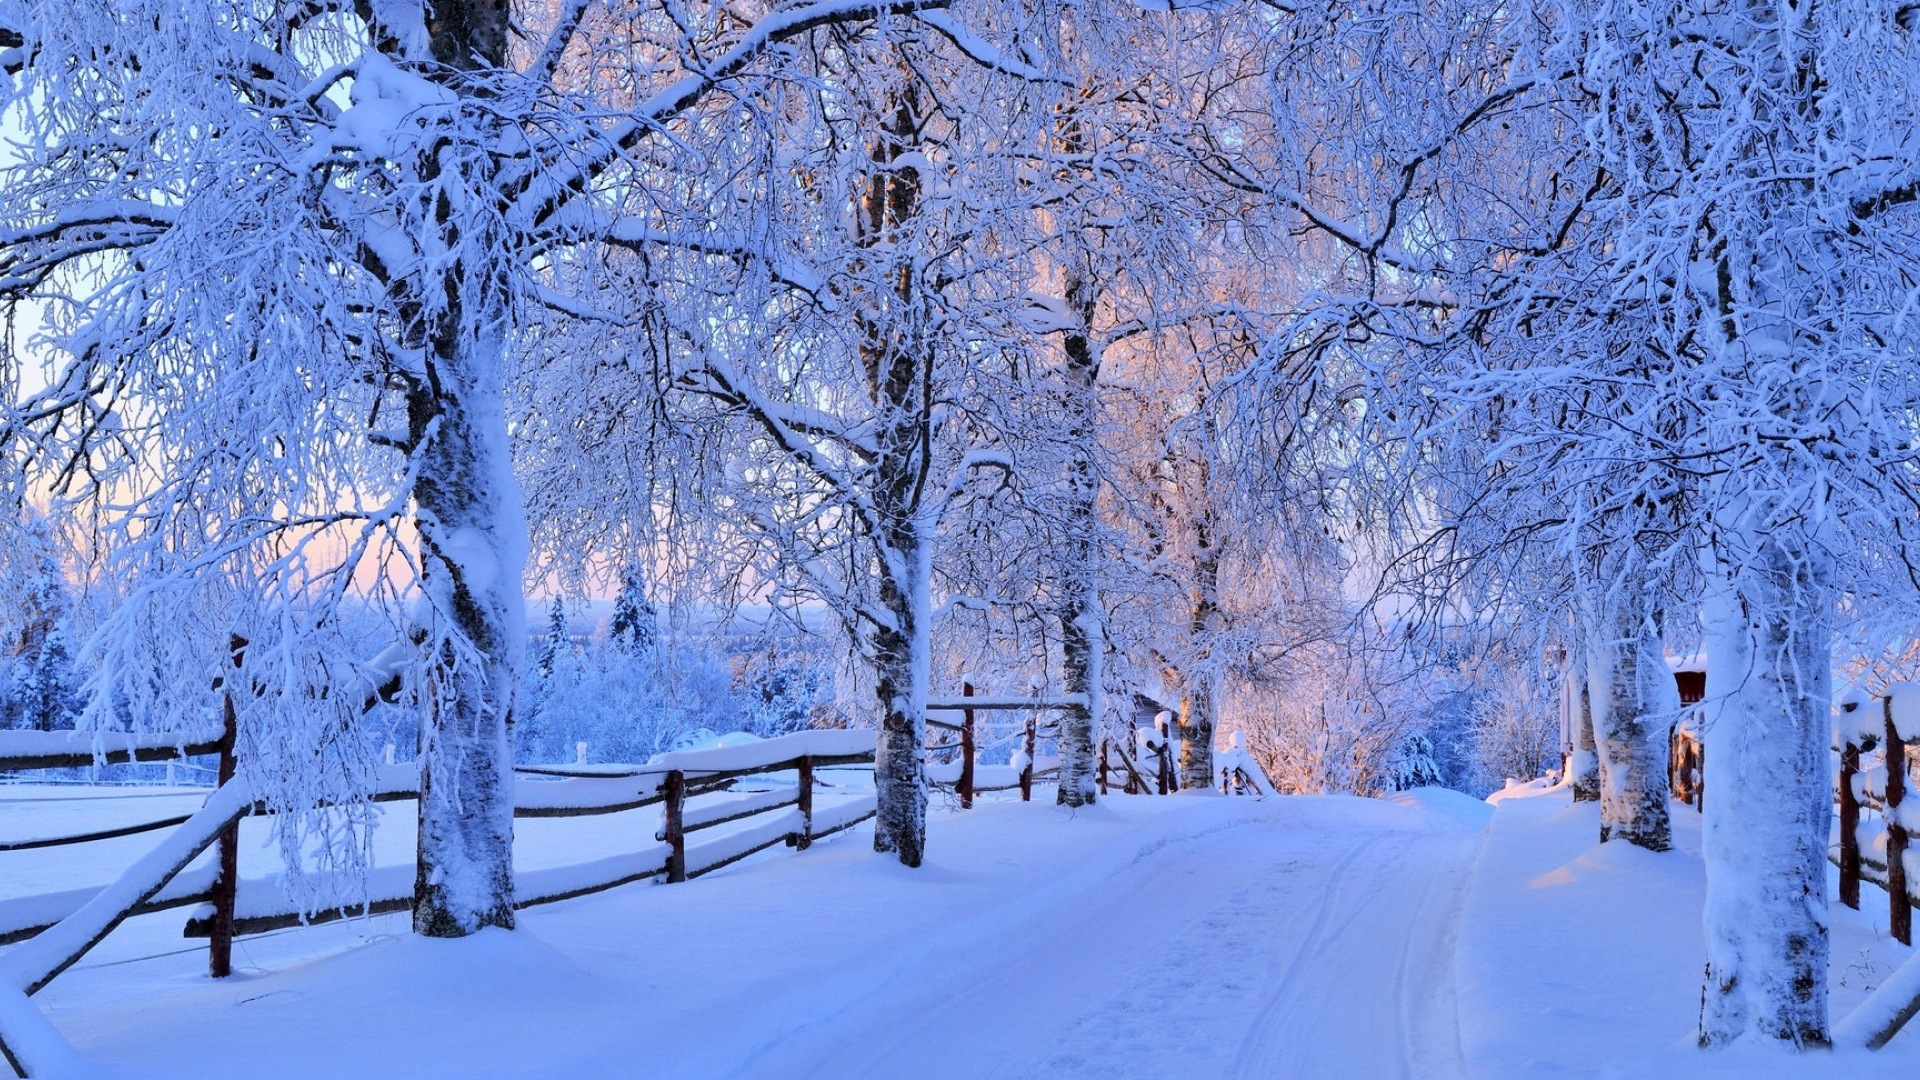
<point x="1026" y="774"/>
<point x="226" y="883"/>
<point x="1163" y="761"/>
<point x="1849" y="827"/>
<point x="806" y="805"/>
<point x="1676" y="768"/>
<point x="1103" y="765"/>
<point x="676" y="808"/>
<point x="1700" y="784"/>
<point x="1900" y="907"/>
<point x="966" y="750"/>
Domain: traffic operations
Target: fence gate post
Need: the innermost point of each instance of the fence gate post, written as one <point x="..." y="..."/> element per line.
<point x="1899" y="906"/>
<point x="1849" y="827"/>
<point x="805" y="839"/>
<point x="676" y="808"/>
<point x="1026" y="774"/>
<point x="966" y="751"/>
<point x="226" y="883"/>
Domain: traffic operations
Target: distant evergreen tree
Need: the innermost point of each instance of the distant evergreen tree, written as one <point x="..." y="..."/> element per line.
<point x="557" y="641"/>
<point x="42" y="687"/>
<point x="635" y="629"/>
<point x="780" y="696"/>
<point x="1413" y="766"/>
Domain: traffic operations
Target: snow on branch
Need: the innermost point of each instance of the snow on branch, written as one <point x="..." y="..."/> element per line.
<point x="558" y="187"/>
<point x="717" y="380"/>
<point x="984" y="52"/>
<point x="633" y="234"/>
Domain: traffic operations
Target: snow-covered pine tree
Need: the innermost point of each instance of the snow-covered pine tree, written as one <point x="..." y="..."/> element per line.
<point x="558" y="640"/>
<point x="42" y="687"/>
<point x="1412" y="764"/>
<point x="634" y="628"/>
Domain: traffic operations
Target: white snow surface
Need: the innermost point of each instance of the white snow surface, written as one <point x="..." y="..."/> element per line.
<point x="1584" y="959"/>
<point x="1905" y="701"/>
<point x="1425" y="936"/>
<point x="767" y="752"/>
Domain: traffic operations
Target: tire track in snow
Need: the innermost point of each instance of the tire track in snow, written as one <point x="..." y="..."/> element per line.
<point x="1368" y="989"/>
<point x="991" y="1016"/>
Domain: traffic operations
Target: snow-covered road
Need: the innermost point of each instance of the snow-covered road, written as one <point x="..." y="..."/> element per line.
<point x="1306" y="938"/>
<point x="1253" y="952"/>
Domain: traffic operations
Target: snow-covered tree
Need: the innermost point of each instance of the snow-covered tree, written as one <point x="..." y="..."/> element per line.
<point x="558" y="640"/>
<point x="1625" y="295"/>
<point x="635" y="626"/>
<point x="281" y="254"/>
<point x="838" y="391"/>
<point x="40" y="685"/>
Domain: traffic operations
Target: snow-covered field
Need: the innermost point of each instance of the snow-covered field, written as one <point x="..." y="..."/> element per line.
<point x="1194" y="936"/>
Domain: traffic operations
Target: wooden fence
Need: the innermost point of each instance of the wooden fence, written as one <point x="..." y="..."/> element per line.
<point x="696" y="791"/>
<point x="962" y="745"/>
<point x="681" y="784"/>
<point x="1871" y="782"/>
<point x="1871" y="786"/>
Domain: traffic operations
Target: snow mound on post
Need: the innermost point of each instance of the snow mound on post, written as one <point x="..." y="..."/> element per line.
<point x="1855" y="717"/>
<point x="1904" y="699"/>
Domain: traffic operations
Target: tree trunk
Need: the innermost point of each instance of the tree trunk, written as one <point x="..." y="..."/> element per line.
<point x="472" y="528"/>
<point x="1203" y="619"/>
<point x="1634" y="700"/>
<point x="1195" y="721"/>
<point x="1765" y="834"/>
<point x="1585" y="765"/>
<point x="896" y="356"/>
<point x="901" y="658"/>
<point x="473" y="539"/>
<point x="1082" y="632"/>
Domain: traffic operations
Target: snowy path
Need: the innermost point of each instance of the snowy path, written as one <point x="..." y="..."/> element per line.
<point x="1192" y="937"/>
<point x="1252" y="953"/>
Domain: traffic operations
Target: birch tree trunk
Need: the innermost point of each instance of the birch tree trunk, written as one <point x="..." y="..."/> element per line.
<point x="1585" y="765"/>
<point x="467" y="511"/>
<point x="898" y="363"/>
<point x="1633" y="699"/>
<point x="1082" y="629"/>
<point x="901" y="657"/>
<point x="1766" y="827"/>
<point x="1196" y="718"/>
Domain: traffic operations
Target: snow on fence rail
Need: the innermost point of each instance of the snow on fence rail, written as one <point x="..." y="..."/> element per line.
<point x="74" y="749"/>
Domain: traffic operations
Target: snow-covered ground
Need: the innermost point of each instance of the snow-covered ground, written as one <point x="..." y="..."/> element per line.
<point x="1194" y="936"/>
<point x="1582" y="959"/>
